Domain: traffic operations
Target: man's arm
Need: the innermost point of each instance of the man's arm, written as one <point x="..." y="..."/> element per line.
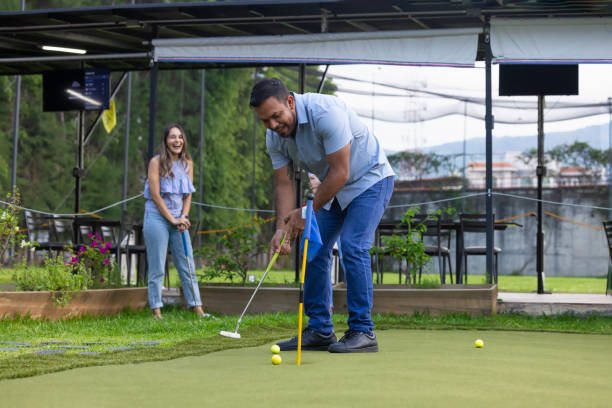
<point x="284" y="201"/>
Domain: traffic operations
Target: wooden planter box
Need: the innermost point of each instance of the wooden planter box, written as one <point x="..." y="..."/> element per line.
<point x="89" y="302"/>
<point x="476" y="300"/>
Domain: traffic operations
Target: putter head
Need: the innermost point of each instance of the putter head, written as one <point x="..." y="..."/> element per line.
<point x="232" y="335"/>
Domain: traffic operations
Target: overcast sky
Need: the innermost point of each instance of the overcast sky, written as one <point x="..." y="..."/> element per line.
<point x="595" y="85"/>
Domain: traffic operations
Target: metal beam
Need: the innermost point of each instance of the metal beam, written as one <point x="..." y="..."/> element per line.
<point x="67" y="58"/>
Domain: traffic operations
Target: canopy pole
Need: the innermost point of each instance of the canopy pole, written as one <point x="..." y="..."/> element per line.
<point x="16" y="126"/>
<point x="489" y="149"/>
<point x="16" y="134"/>
<point x="254" y="155"/>
<point x="126" y="144"/>
<point x="323" y="78"/>
<point x="152" y="111"/>
<point x="200" y="164"/>
<point x="152" y="105"/>
<point x="298" y="177"/>
<point x="609" y="167"/>
<point x="77" y="173"/>
<point x="541" y="172"/>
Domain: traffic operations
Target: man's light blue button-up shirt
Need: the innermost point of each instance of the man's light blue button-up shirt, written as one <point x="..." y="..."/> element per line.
<point x="325" y="125"/>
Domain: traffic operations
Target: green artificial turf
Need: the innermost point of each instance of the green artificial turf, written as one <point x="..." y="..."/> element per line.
<point x="181" y="333"/>
<point x="414" y="368"/>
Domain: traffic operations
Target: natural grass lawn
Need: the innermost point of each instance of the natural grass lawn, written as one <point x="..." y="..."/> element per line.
<point x="507" y="283"/>
<point x="183" y="334"/>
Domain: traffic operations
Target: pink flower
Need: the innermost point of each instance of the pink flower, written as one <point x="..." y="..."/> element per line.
<point x="101" y="279"/>
<point x="108" y="245"/>
<point x="93" y="244"/>
<point x="106" y="261"/>
<point x="82" y="249"/>
<point x="102" y="249"/>
<point x="90" y="235"/>
<point x="75" y="259"/>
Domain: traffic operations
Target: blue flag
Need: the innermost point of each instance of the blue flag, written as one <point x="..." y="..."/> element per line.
<point x="311" y="233"/>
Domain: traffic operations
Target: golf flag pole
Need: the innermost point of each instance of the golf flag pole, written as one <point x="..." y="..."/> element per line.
<point x="306" y="236"/>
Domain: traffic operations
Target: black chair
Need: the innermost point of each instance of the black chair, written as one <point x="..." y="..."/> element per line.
<point x="135" y="247"/>
<point x="475" y="224"/>
<point x="377" y="259"/>
<point x="608" y="230"/>
<point x="432" y="239"/>
<point x="41" y="228"/>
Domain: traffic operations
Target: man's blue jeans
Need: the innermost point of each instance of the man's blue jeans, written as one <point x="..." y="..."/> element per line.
<point x="355" y="225"/>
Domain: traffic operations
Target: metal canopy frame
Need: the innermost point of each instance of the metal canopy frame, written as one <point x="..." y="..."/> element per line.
<point x="120" y="37"/>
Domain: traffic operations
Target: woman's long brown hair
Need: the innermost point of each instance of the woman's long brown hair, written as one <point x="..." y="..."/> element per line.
<point x="165" y="157"/>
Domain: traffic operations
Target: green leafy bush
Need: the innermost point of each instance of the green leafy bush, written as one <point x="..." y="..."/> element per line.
<point x="90" y="267"/>
<point x="232" y="256"/>
<point x="62" y="278"/>
<point x="10" y="233"/>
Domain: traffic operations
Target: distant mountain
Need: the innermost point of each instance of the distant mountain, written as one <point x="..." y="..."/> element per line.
<point x="476" y="146"/>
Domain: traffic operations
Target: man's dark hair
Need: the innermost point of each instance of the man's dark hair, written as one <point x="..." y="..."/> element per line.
<point x="266" y="88"/>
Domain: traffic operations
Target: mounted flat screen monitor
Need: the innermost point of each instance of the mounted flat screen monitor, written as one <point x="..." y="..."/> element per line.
<point x="538" y="79"/>
<point x="68" y="90"/>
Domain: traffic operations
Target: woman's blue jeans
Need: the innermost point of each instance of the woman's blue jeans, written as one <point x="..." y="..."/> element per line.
<point x="158" y="232"/>
<point x="355" y="225"/>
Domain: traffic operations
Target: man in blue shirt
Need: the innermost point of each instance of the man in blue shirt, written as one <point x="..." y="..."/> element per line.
<point x="322" y="135"/>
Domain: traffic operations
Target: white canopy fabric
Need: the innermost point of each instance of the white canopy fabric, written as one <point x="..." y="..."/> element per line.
<point x="558" y="40"/>
<point x="455" y="47"/>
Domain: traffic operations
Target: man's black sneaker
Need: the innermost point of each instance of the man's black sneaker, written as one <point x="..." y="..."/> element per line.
<point x="355" y="342"/>
<point x="311" y="340"/>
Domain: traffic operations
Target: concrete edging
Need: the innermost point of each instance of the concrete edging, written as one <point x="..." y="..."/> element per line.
<point x="476" y="300"/>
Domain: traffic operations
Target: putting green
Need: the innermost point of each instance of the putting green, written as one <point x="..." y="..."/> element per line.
<point x="413" y="368"/>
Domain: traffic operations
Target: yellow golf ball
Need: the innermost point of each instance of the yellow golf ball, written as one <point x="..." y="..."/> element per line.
<point x="479" y="343"/>
<point x="276" y="359"/>
<point x="275" y="349"/>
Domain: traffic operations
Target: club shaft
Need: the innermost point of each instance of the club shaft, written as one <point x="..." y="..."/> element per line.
<point x="191" y="278"/>
<point x="302" y="275"/>
<point x="272" y="261"/>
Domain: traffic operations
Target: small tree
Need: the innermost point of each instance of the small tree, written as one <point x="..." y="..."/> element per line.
<point x="234" y="252"/>
<point x="409" y="244"/>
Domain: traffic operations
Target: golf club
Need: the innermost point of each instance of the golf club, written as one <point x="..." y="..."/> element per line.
<point x="235" y="334"/>
<point x="191" y="277"/>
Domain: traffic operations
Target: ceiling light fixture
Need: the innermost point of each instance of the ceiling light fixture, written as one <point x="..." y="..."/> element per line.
<point x="63" y="49"/>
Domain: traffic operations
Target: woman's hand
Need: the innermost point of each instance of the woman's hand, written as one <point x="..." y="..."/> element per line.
<point x="181" y="223"/>
<point x="185" y="220"/>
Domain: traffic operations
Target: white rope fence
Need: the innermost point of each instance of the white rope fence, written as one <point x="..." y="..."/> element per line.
<point x="462" y="197"/>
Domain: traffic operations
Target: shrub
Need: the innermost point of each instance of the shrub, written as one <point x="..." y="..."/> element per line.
<point x="233" y="254"/>
<point x="10" y="232"/>
<point x="62" y="278"/>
